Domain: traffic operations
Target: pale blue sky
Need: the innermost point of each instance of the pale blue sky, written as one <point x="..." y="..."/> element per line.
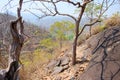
<point x="29" y="5"/>
<point x="64" y="8"/>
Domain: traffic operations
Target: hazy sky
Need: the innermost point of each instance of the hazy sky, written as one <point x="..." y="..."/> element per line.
<point x="31" y="5"/>
<point x="64" y="8"/>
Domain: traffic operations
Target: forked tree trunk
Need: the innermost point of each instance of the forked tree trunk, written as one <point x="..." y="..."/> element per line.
<point x="12" y="72"/>
<point x="77" y="33"/>
<point x="15" y="47"/>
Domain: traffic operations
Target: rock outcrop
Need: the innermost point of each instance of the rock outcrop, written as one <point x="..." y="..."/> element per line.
<point x="98" y="58"/>
<point x="105" y="62"/>
<point x="59" y="65"/>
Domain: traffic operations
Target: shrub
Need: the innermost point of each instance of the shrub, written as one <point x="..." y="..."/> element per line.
<point x="49" y="45"/>
<point x="113" y="21"/>
<point x="97" y="29"/>
<point x="34" y="62"/>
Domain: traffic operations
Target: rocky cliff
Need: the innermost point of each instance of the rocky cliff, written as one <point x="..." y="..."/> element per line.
<point x="105" y="62"/>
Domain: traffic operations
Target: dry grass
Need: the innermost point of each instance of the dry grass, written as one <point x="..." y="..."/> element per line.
<point x="83" y="37"/>
<point x="97" y="29"/>
<point x="110" y="22"/>
<point x="33" y="64"/>
<point x="113" y="21"/>
<point x="86" y="35"/>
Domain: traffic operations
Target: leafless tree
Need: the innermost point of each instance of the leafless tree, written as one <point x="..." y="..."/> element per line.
<point x="105" y="4"/>
<point x="12" y="72"/>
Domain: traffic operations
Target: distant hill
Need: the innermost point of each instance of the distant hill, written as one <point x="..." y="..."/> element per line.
<point x="6" y="17"/>
<point x="34" y="32"/>
<point x="48" y="21"/>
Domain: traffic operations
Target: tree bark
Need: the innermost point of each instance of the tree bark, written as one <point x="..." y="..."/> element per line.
<point x="74" y="51"/>
<point x="77" y="22"/>
<point x="14" y="52"/>
<point x="90" y="30"/>
<point x="75" y="43"/>
<point x="12" y="72"/>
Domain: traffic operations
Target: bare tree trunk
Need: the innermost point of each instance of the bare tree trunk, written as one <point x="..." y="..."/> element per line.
<point x="77" y="33"/>
<point x="74" y="51"/>
<point x="12" y="72"/>
<point x="91" y="20"/>
<point x="15" y="48"/>
<point x="75" y="43"/>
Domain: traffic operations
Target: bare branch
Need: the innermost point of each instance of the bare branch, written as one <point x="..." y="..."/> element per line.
<point x="19" y="15"/>
<point x="57" y="12"/>
<point x="7" y="4"/>
<point x="47" y="8"/>
<point x="107" y="6"/>
<point x="49" y="1"/>
<point x="75" y="4"/>
<point x="90" y="24"/>
<point x="51" y="13"/>
<point x="40" y="17"/>
<point x="32" y="13"/>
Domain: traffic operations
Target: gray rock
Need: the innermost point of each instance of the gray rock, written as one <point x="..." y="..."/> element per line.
<point x="83" y="59"/>
<point x="72" y="78"/>
<point x="64" y="61"/>
<point x="105" y="64"/>
<point x="57" y="70"/>
<point x="87" y="53"/>
<point x="51" y="64"/>
<point x="65" y="67"/>
<point x="58" y="62"/>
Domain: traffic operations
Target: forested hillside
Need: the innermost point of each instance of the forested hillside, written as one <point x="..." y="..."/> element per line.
<point x="33" y="33"/>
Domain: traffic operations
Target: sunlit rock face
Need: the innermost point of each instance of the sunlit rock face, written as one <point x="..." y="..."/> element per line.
<point x="105" y="62"/>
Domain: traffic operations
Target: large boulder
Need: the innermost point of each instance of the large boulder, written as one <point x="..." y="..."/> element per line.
<point x="105" y="62"/>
